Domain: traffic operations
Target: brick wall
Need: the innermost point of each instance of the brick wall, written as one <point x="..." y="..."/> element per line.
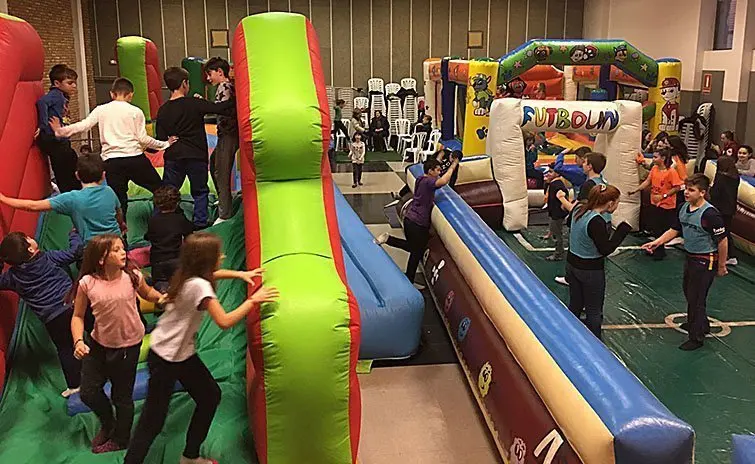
<point x="54" y="24"/>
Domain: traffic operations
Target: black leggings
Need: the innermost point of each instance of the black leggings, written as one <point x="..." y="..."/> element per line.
<point x="587" y="291"/>
<point x="357" y="172"/>
<point x="199" y="384"/>
<point x="118" y="365"/>
<point x="661" y="220"/>
<point x="59" y="330"/>
<point x="137" y="169"/>
<point x="417" y="237"/>
<point x="699" y="273"/>
<point x="340" y="126"/>
<point x="63" y="161"/>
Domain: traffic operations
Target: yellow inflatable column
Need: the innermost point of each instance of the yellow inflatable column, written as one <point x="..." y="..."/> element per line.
<point x="666" y="95"/>
<point x="481" y="85"/>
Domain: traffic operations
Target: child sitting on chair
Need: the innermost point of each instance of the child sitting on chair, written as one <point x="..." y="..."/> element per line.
<point x="166" y="232"/>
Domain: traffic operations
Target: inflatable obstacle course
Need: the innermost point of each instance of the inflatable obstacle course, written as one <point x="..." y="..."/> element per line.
<point x="138" y="62"/>
<point x="303" y="391"/>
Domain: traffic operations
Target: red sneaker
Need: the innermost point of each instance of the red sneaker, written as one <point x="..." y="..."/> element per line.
<point x="108" y="447"/>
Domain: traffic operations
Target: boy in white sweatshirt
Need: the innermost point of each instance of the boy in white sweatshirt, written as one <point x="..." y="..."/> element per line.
<point x="124" y="138"/>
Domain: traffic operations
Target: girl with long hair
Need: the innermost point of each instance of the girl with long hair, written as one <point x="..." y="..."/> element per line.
<point x="589" y="244"/>
<point x="110" y="286"/>
<point x="173" y="354"/>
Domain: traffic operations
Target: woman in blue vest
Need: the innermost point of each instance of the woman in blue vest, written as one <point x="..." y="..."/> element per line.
<point x="589" y="243"/>
<point x="707" y="247"/>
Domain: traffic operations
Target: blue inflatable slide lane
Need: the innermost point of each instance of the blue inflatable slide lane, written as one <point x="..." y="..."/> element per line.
<point x="743" y="449"/>
<point x="549" y="390"/>
<point x="391" y="308"/>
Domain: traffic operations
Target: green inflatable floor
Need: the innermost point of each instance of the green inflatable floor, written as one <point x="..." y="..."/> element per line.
<point x="34" y="426"/>
<point x="710" y="388"/>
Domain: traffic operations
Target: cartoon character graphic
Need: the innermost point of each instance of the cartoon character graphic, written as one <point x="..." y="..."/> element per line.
<point x="543" y="52"/>
<point x="464" y="329"/>
<point x="518" y="451"/>
<point x="483" y="96"/>
<point x="485" y="379"/>
<point x="671" y="93"/>
<point x="581" y="53"/>
<point x="515" y="88"/>
<point x="620" y="53"/>
<point x="449" y="301"/>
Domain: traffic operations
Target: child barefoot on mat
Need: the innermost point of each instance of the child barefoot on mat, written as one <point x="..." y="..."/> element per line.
<point x="111" y="352"/>
<point x="173" y="354"/>
<point x="40" y="279"/>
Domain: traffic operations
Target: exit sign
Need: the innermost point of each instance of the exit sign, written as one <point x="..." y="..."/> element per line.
<point x="707" y="83"/>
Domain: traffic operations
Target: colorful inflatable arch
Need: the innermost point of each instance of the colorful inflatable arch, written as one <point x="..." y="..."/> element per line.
<point x="618" y="125"/>
<point x="138" y="62"/>
<point x="303" y="391"/>
<point x="25" y="173"/>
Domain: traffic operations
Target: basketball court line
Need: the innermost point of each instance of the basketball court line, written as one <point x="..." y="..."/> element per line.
<point x="529" y="247"/>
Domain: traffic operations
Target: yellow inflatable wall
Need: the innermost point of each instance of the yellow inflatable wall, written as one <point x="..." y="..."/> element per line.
<point x="666" y="95"/>
<point x="481" y="85"/>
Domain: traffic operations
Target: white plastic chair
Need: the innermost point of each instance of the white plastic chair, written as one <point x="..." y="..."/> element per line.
<point x="409" y="83"/>
<point x="403" y="128"/>
<point x="361" y="103"/>
<point x="331" y="92"/>
<point x="432" y="143"/>
<point x="410" y="108"/>
<point x="340" y="138"/>
<point x="392" y="88"/>
<point x="377" y="101"/>
<point x="415" y="148"/>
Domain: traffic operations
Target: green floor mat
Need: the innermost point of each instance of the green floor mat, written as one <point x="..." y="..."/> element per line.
<point x="137" y="191"/>
<point x="34" y="426"/>
<point x="710" y="388"/>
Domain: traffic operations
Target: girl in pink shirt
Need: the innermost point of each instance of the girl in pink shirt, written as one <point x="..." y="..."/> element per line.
<point x="111" y="352"/>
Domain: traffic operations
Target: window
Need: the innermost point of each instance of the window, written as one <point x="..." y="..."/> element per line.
<point x="725" y="11"/>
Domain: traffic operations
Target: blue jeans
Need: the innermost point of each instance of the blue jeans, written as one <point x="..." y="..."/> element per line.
<point x="197" y="170"/>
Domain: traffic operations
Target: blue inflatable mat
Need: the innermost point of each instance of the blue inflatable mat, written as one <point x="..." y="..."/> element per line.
<point x="743" y="449"/>
<point x="749" y="179"/>
<point x="76" y="406"/>
<point x="391" y="308"/>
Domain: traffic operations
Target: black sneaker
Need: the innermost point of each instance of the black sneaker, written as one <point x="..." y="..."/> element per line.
<point x="685" y="327"/>
<point x="691" y="345"/>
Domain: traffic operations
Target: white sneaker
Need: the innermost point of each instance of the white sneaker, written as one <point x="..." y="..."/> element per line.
<point x="732" y="262"/>
<point x="381" y="239"/>
<point x="561" y="280"/>
<point x="219" y="221"/>
<point x="675" y="241"/>
<point x="69" y="391"/>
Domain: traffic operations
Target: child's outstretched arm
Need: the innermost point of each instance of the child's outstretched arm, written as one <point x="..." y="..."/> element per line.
<point x="645" y="184"/>
<point x="26" y="205"/>
<point x="246" y="276"/>
<point x="140" y="131"/>
<point x="81" y="126"/>
<point x="147" y="292"/>
<point x="227" y="320"/>
<point x="72" y="254"/>
<point x="80" y="348"/>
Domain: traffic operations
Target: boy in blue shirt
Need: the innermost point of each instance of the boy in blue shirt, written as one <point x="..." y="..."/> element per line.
<point x="574" y="173"/>
<point x="707" y="247"/>
<point x="42" y="281"/>
<point x="94" y="210"/>
<point x="58" y="149"/>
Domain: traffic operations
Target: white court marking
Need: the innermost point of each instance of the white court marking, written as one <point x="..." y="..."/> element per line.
<point x="529" y="247"/>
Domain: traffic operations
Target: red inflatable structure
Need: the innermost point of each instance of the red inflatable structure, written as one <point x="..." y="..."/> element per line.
<point x="25" y="173"/>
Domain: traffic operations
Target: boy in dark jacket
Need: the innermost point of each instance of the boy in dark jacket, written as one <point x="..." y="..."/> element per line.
<point x="183" y="117"/>
<point x="554" y="184"/>
<point x="58" y="149"/>
<point x="42" y="281"/>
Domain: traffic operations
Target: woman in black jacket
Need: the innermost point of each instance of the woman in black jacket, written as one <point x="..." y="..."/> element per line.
<point x="723" y="195"/>
<point x="379" y="128"/>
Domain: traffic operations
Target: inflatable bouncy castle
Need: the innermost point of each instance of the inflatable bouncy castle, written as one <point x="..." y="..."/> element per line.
<point x="138" y="62"/>
<point x="25" y="171"/>
<point x="303" y="391"/>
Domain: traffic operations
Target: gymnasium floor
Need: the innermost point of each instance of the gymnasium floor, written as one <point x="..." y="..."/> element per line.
<point x="711" y="388"/>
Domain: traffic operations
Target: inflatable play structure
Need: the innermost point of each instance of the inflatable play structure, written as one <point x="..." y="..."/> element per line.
<point x="608" y="63"/>
<point x="618" y="125"/>
<point x="138" y="62"/>
<point x="343" y="298"/>
<point x="26" y="172"/>
<point x="549" y="390"/>
<point x="197" y="80"/>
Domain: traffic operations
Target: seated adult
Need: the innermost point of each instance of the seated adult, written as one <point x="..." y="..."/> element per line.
<point x="426" y="125"/>
<point x="379" y="128"/>
<point x="745" y="163"/>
